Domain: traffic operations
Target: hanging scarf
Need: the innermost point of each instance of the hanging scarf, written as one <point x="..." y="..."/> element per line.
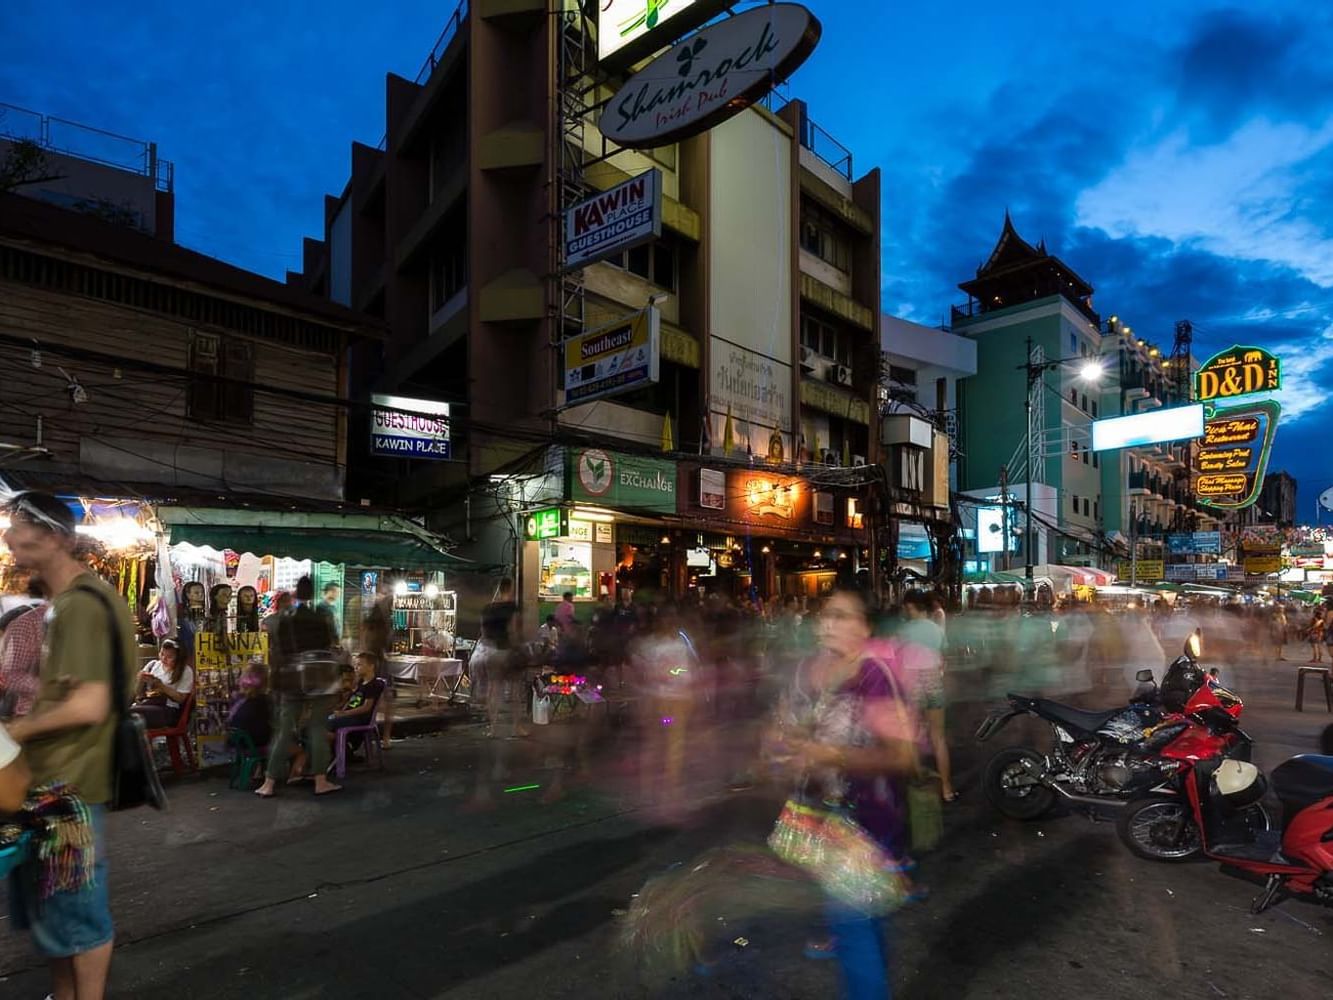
<point x="63" y="844"/>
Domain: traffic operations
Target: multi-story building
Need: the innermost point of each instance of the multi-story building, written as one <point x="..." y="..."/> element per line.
<point x="1277" y="500"/>
<point x="1026" y="306"/>
<point x="766" y="277"/>
<point x="113" y="177"/>
<point x="920" y="373"/>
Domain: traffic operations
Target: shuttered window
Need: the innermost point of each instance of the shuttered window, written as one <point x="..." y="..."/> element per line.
<point x="222" y="373"/>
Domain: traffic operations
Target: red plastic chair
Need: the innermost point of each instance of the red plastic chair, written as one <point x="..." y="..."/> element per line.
<point x="178" y="737"/>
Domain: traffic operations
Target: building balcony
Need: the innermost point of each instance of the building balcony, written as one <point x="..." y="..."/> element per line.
<point x="1138" y="484"/>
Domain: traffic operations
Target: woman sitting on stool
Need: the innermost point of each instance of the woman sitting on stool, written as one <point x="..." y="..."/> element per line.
<point x="164" y="684"/>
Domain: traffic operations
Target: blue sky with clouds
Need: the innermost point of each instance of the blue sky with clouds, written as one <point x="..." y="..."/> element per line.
<point x="1177" y="153"/>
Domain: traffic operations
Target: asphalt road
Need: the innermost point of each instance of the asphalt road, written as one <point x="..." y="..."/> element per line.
<point x="392" y="889"/>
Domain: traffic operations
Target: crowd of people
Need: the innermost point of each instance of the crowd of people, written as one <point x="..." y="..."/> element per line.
<point x="839" y="700"/>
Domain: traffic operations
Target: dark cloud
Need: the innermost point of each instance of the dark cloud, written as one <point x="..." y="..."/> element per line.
<point x="1239" y="63"/>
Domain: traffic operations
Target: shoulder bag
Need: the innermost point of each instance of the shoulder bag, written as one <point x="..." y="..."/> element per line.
<point x="134" y="779"/>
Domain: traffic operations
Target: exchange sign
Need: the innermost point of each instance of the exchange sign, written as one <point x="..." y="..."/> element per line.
<point x="1237" y="371"/>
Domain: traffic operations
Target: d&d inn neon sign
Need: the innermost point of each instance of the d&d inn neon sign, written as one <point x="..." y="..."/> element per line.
<point x="1237" y="371"/>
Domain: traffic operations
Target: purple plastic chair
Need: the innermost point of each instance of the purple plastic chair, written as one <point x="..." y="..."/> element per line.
<point x="371" y="732"/>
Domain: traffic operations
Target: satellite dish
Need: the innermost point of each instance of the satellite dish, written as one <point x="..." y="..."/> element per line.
<point x="1326" y="499"/>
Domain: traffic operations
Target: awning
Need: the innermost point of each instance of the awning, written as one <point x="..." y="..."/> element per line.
<point x="370" y="540"/>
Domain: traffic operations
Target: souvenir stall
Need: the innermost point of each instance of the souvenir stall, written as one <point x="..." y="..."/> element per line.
<point x="230" y="566"/>
<point x="118" y="541"/>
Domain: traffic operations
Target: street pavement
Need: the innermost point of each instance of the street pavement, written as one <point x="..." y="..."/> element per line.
<point x="394" y="888"/>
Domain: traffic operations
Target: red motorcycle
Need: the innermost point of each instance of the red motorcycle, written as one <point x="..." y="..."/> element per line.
<point x="1110" y="760"/>
<point x="1297" y="860"/>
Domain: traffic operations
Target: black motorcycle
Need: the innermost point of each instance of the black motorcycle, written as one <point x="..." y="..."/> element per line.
<point x="1103" y="761"/>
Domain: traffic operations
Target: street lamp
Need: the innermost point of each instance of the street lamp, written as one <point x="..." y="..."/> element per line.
<point x="1090" y="370"/>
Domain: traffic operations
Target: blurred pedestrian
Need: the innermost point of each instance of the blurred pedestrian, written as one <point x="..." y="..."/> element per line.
<point x="1314" y="632"/>
<point x="1277" y="628"/>
<point x="68" y="740"/>
<point x="305" y="636"/>
<point x="921" y="641"/>
<point x="853" y="742"/>
<point x="21" y="633"/>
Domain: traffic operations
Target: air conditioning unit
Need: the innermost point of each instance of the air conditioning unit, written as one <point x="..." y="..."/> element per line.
<point x="858" y="461"/>
<point x="809" y="360"/>
<point x="841" y="374"/>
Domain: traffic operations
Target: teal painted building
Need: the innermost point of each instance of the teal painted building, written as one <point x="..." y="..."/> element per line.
<point x="1023" y="303"/>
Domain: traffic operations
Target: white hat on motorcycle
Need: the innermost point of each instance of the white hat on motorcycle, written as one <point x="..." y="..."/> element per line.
<point x="1239" y="783"/>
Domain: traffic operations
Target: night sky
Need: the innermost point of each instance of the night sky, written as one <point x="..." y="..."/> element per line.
<point x="1178" y="154"/>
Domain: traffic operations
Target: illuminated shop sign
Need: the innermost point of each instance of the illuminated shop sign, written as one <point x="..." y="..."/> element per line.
<point x="1174" y="423"/>
<point x="1237" y="371"/>
<point x="1231" y="464"/>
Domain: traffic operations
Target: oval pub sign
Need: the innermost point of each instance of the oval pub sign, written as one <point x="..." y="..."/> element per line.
<point x="710" y="76"/>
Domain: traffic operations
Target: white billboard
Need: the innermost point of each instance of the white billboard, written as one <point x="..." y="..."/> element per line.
<point x="990" y="530"/>
<point x="625" y="27"/>
<point x="1175" y="423"/>
<point x="614" y="220"/>
<point x="409" y="428"/>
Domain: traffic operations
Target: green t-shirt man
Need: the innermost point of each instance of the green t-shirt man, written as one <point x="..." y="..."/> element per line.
<point x="78" y="650"/>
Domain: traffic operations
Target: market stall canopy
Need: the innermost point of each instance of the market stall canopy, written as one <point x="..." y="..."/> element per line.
<point x="372" y="540"/>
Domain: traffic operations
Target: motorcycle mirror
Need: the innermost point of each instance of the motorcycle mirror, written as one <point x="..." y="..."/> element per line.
<point x="1144" y="677"/>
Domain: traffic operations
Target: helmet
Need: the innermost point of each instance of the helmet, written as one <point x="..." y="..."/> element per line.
<point x="1239" y="783"/>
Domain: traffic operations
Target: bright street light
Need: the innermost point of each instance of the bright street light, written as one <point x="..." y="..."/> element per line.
<point x="1092" y="371"/>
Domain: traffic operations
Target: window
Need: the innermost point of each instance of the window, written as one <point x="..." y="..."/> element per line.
<point x="1097" y="509"/>
<point x="1094" y="407"/>
<point x="823" y="236"/>
<point x="1073" y="450"/>
<point x="1073" y="396"/>
<point x="1084" y="405"/>
<point x="1073" y="343"/>
<point x="448" y="273"/>
<point x="901" y="375"/>
<point x="1085" y="507"/>
<point x="1073" y="499"/>
<point x="1096" y="460"/>
<point x="653" y="262"/>
<point x="827" y="340"/>
<point x="221" y="375"/>
<point x="1085" y="456"/>
<point x="565" y="567"/>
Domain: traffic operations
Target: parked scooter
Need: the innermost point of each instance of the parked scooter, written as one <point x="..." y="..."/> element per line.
<point x="1296" y="859"/>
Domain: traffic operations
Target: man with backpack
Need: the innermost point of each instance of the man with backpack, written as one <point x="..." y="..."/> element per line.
<point x="305" y="644"/>
<point x="68" y="742"/>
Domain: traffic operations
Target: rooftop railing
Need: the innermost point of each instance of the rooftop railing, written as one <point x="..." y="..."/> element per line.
<point x="451" y="29"/>
<point x="84" y="142"/>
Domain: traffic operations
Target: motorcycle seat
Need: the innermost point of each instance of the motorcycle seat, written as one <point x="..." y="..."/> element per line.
<point x="1073" y="718"/>
<point x="1302" y="781"/>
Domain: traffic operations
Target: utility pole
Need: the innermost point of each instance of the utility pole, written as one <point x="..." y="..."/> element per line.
<point x="1133" y="543"/>
<point x="1004" y="516"/>
<point x="1032" y="376"/>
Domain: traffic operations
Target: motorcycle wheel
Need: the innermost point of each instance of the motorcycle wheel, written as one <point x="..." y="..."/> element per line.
<point x="1160" y="829"/>
<point x="1012" y="790"/>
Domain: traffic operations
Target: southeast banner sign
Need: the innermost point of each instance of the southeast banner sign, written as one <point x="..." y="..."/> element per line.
<point x="614" y="359"/>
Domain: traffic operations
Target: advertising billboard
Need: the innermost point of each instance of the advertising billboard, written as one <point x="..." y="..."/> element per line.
<point x="990" y="530"/>
<point x="614" y="220"/>
<point x="409" y="428"/>
<point x="614" y="359"/>
<point x="622" y="481"/>
<point x="1234" y="456"/>
<point x="1175" y="423"/>
<point x="1237" y="371"/>
<point x="710" y="76"/>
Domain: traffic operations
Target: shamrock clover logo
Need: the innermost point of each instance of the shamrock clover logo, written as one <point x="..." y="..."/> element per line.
<point x="689" y="53"/>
